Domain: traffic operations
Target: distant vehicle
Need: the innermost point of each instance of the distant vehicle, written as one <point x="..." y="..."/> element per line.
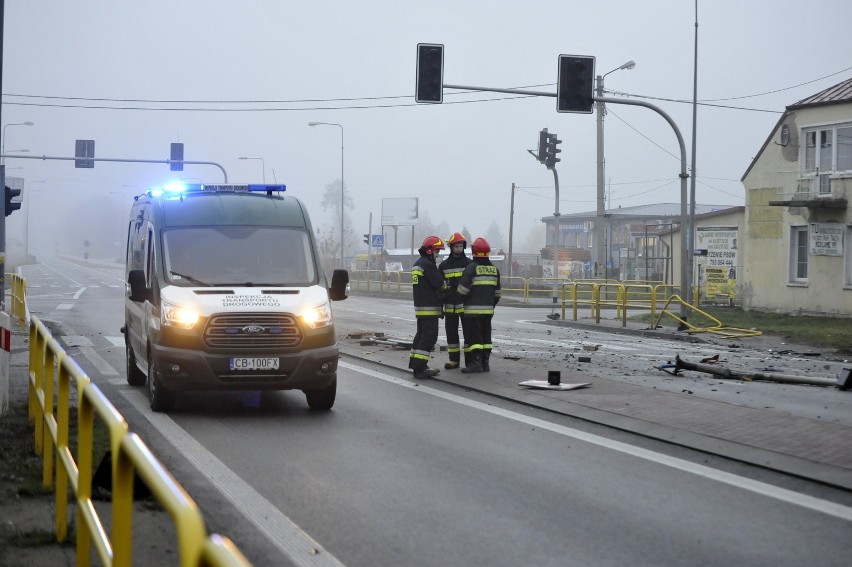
<point x="225" y="291"/>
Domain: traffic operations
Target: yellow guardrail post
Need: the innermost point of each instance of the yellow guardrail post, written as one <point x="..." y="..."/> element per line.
<point x="596" y="301"/>
<point x="574" y="299"/>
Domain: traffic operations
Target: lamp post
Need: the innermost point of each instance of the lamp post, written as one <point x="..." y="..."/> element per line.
<point x="598" y="248"/>
<point x="29" y="203"/>
<point x="342" y="186"/>
<point x="262" y="163"/>
<point x="3" y="149"/>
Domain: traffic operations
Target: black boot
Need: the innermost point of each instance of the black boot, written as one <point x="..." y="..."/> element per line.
<point x="452" y="365"/>
<point x="486" y="357"/>
<point x="475" y="364"/>
<point x="424" y="372"/>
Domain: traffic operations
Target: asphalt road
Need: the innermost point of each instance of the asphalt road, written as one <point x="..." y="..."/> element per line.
<point x="401" y="472"/>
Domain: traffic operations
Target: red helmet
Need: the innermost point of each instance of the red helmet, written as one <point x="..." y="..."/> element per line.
<point x="457" y="237"/>
<point x="432" y="244"/>
<point x="481" y="247"/>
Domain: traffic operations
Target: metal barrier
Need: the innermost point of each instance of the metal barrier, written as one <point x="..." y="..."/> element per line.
<point x="52" y="373"/>
<point x="718" y="328"/>
<point x="19" y="294"/>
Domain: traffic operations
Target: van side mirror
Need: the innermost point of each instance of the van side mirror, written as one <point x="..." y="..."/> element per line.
<point x="138" y="290"/>
<point x="339" y="289"/>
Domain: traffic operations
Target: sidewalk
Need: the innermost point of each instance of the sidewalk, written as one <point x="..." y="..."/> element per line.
<point x="808" y="448"/>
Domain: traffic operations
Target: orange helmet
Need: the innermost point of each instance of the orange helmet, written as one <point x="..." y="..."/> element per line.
<point x="481" y="247"/>
<point x="432" y="244"/>
<point x="457" y="237"/>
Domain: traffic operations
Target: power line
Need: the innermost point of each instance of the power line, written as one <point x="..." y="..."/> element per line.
<point x="705" y="102"/>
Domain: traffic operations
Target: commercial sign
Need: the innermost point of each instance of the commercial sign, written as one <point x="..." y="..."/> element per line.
<point x="719" y="254"/>
<point x="826" y="239"/>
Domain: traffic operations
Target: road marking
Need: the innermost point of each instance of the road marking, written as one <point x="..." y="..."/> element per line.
<point x="65" y="306"/>
<point x="76" y="340"/>
<point x="116" y="341"/>
<point x="79" y="293"/>
<point x="762" y="488"/>
<point x="97" y="360"/>
<point x="281" y="531"/>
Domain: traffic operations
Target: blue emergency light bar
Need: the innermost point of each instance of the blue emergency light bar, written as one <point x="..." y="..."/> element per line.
<point x="179" y="189"/>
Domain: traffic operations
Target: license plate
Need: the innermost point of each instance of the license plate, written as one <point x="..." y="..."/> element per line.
<point x="254" y="364"/>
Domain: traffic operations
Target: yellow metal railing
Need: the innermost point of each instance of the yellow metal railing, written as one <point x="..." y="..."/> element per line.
<point x="718" y="328"/>
<point x="53" y="376"/>
<point x="596" y="294"/>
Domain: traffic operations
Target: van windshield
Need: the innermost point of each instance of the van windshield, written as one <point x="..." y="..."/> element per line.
<point x="238" y="255"/>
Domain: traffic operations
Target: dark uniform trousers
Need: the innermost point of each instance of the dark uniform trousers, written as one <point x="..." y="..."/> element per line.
<point x="478" y="328"/>
<point x="451" y="326"/>
<point x="423" y="343"/>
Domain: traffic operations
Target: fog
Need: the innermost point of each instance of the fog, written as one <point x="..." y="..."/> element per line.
<point x="233" y="80"/>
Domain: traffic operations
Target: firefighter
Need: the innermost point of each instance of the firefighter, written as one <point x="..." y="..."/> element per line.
<point x="480" y="288"/>
<point x="452" y="269"/>
<point x="428" y="287"/>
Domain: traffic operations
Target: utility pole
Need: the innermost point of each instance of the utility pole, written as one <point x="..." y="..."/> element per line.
<point x="511" y="225"/>
<point x="2" y="178"/>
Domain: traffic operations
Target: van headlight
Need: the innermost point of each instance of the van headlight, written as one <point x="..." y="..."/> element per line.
<point x="317" y="317"/>
<point x="176" y="316"/>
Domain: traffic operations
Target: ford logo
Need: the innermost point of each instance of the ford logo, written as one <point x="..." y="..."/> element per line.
<point x="254" y="330"/>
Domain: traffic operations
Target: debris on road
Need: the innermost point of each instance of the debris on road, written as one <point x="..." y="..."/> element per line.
<point x="373" y="339"/>
<point x="545" y="385"/>
<point x="725" y="372"/>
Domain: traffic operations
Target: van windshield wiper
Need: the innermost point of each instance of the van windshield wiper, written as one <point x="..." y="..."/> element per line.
<point x="190" y="279"/>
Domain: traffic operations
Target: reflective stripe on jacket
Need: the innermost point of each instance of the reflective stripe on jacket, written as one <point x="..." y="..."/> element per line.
<point x="480" y="287"/>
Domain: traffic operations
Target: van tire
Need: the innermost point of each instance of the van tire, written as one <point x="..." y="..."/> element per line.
<point x="159" y="398"/>
<point x="135" y="377"/>
<point x="322" y="400"/>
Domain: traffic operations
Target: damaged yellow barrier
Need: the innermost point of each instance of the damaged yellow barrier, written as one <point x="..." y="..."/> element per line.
<point x="717" y="329"/>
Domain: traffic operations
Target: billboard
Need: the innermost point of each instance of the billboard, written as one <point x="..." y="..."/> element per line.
<point x="399" y="211"/>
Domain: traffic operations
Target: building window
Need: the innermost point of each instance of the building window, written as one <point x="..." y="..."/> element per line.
<point x="798" y="254"/>
<point x="822" y="154"/>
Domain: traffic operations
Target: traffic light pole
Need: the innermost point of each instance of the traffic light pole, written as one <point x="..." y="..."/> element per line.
<point x="687" y="220"/>
<point x="556" y="233"/>
<point x="122" y="160"/>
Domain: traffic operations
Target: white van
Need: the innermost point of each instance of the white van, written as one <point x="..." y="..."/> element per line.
<point x="225" y="291"/>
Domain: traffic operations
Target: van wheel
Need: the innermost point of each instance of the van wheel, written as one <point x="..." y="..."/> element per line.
<point x="135" y="377"/>
<point x="159" y="398"/>
<point x="322" y="399"/>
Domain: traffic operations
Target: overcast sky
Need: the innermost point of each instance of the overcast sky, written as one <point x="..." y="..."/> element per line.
<point x="272" y="66"/>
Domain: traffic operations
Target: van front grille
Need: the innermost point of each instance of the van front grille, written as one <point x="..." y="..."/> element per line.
<point x="252" y="331"/>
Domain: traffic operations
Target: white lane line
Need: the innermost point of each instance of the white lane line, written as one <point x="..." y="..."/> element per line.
<point x="76" y="340"/>
<point x="62" y="275"/>
<point x="788" y="496"/>
<point x="281" y="531"/>
<point x="65" y="306"/>
<point x="98" y="361"/>
<point x="80" y="292"/>
<point x="116" y="341"/>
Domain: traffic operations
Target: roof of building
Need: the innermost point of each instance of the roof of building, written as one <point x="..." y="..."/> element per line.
<point x="839" y="93"/>
<point x="656" y="210"/>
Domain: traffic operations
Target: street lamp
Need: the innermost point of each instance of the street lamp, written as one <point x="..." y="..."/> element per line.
<point x="28" y="202"/>
<point x="262" y="163"/>
<point x="3" y="149"/>
<point x="599" y="248"/>
<point x="342" y="187"/>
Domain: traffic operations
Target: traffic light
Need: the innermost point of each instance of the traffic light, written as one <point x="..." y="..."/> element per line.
<point x="430" y="73"/>
<point x="551" y="159"/>
<point x="542" y="145"/>
<point x="366" y="239"/>
<point x="176" y="157"/>
<point x="12" y="206"/>
<point x="575" y="87"/>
